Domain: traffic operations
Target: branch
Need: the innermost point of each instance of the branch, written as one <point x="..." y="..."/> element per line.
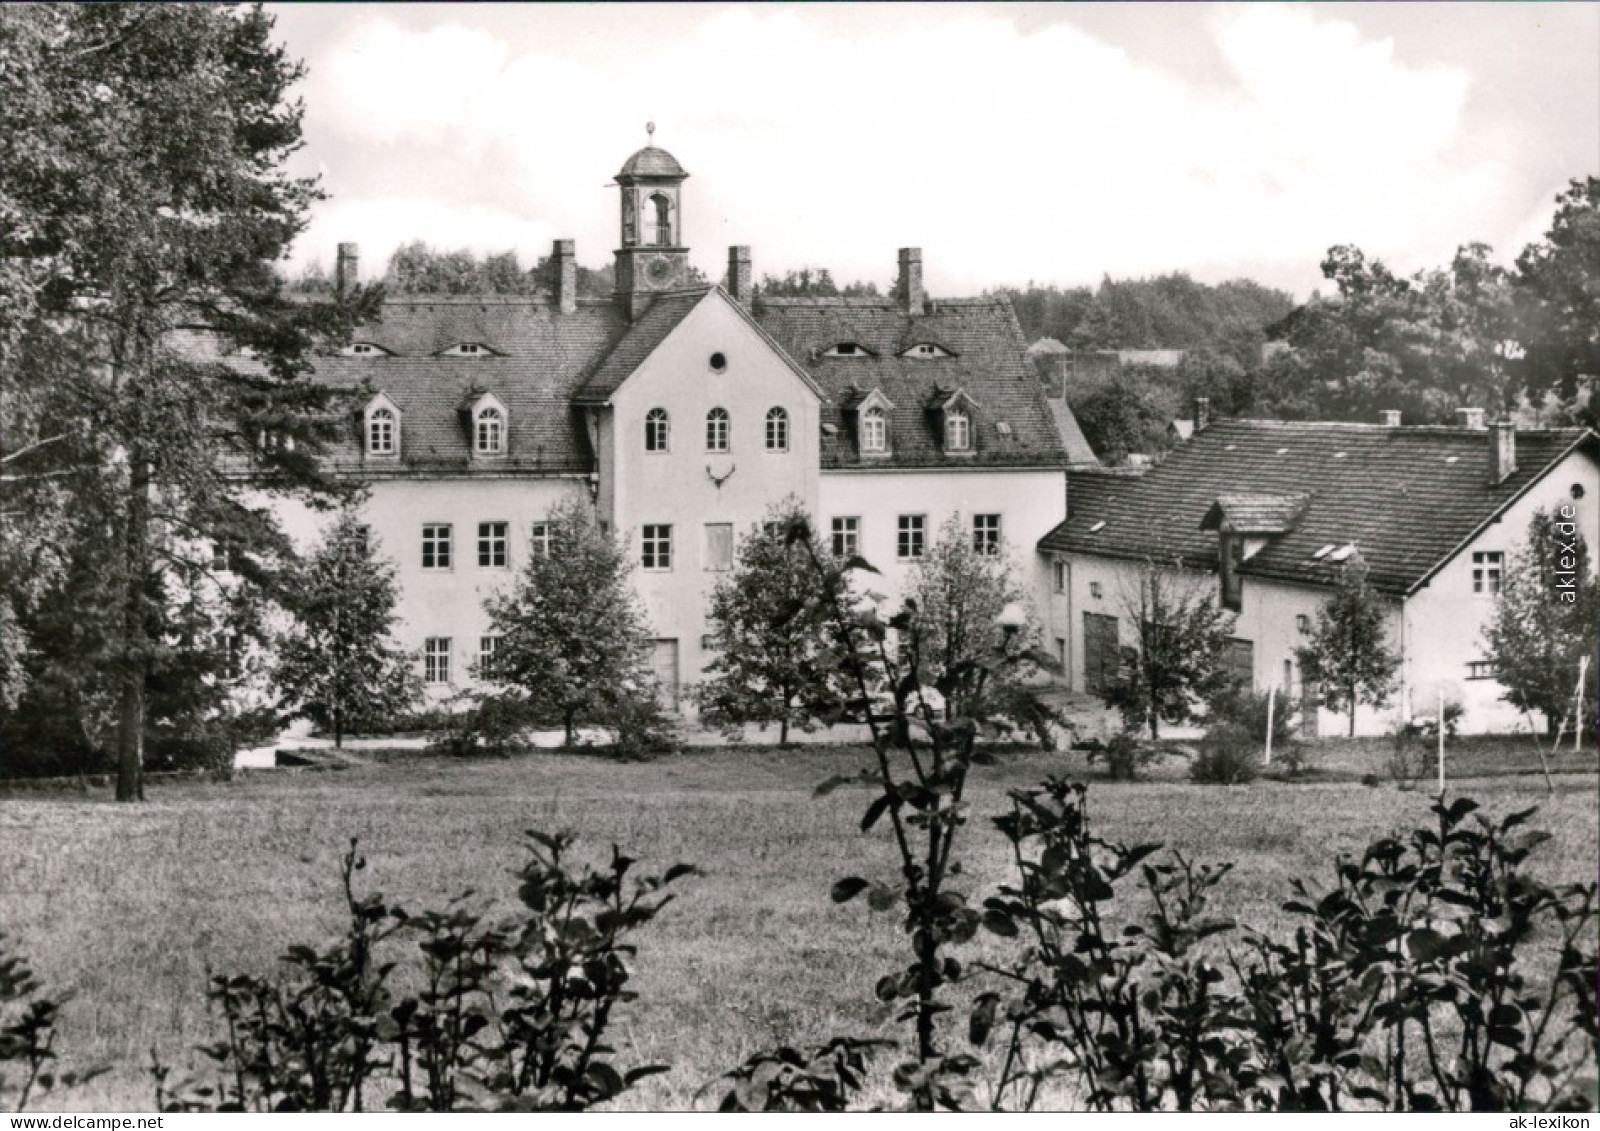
<point x="25" y="449"/>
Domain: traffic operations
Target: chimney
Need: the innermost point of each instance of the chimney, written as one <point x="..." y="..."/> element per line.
<point x="1502" y="451"/>
<point x="1202" y="412"/>
<point x="347" y="268"/>
<point x="1390" y="417"/>
<point x="741" y="283"/>
<point x="1470" y="418"/>
<point x="564" y="275"/>
<point x="908" y="287"/>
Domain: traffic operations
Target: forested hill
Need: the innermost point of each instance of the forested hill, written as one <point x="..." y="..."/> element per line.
<point x="1165" y="312"/>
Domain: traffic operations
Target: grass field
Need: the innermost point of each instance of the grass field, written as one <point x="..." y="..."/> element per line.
<point x="128" y="907"/>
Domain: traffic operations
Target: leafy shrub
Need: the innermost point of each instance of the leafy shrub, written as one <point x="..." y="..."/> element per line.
<point x="1125" y="756"/>
<point x="509" y="1016"/>
<point x="1228" y="756"/>
<point x="641" y="727"/>
<point x="27" y="1035"/>
<point x="823" y="1078"/>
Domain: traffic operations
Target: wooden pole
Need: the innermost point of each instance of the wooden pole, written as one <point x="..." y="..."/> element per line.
<point x="1441" y="740"/>
<point x="1577" y="714"/>
<point x="1272" y="692"/>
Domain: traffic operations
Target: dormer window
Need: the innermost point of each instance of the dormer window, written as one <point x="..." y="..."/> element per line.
<point x="957" y="431"/>
<point x="489" y="431"/>
<point x="467" y="349"/>
<point x="381" y="432"/>
<point x="364" y="349"/>
<point x="381" y="427"/>
<point x="847" y="349"/>
<point x="874" y="430"/>
<point x="926" y="351"/>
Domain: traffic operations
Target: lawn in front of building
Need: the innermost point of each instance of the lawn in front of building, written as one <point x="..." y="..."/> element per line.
<point x="130" y="907"/>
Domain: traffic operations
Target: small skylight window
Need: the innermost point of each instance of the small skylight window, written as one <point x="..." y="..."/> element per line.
<point x="925" y="351"/>
<point x="1231" y="448"/>
<point x="1342" y="552"/>
<point x="847" y="349"/>
<point x="1338" y="455"/>
<point x="1322" y="553"/>
<point x="467" y="349"/>
<point x="1451" y="459"/>
<point x="1283" y="451"/>
<point x="364" y="349"/>
<point x="1004" y="429"/>
<point x="1098" y="527"/>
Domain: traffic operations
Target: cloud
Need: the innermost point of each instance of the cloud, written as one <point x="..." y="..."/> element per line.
<point x="1006" y="155"/>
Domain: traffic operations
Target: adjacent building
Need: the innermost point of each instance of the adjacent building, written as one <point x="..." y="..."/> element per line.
<point x="1270" y="511"/>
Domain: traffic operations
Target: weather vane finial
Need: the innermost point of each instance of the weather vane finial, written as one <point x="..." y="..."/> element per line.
<point x="650" y="128"/>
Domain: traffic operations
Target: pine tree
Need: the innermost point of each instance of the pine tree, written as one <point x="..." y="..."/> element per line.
<point x="1348" y="655"/>
<point x="1545" y="619"/>
<point x="145" y="194"/>
<point x="1180" y="639"/>
<point x="764" y="671"/>
<point x="340" y="666"/>
<point x="573" y="641"/>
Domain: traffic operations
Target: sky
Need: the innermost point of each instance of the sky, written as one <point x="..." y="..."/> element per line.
<point x="1011" y="142"/>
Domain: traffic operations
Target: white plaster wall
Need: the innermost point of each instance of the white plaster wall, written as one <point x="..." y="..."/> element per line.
<point x="1030" y="503"/>
<point x="444" y="602"/>
<point x="1445" y="619"/>
<point x="675" y="488"/>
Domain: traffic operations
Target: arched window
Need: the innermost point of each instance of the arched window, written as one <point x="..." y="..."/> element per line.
<point x="381" y="432"/>
<point x="777" y="430"/>
<point x="957" y="431"/>
<point x="717" y="430"/>
<point x="874" y="430"/>
<point x="491" y="433"/>
<point x="657" y="430"/>
<point x="658" y="221"/>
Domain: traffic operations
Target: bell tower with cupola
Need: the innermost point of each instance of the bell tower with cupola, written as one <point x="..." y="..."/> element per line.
<point x="652" y="257"/>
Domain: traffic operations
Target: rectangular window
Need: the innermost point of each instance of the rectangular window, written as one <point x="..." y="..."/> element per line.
<point x="846" y="537"/>
<point x="492" y="544"/>
<point x="910" y="536"/>
<point x="719" y="545"/>
<point x="1061" y="576"/>
<point x="1487" y="566"/>
<point x="230" y="656"/>
<point x="486" y="650"/>
<point x="1481" y="669"/>
<point x="1239" y="660"/>
<point x="436" y="545"/>
<point x="436" y="659"/>
<point x="657" y="546"/>
<point x="363" y="536"/>
<point x="986" y="533"/>
<point x="224" y="556"/>
<point x="540" y="539"/>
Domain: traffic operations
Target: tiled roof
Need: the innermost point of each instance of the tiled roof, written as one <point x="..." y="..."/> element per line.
<point x="540" y="358"/>
<point x="990" y="364"/>
<point x="1255" y="514"/>
<point x="652" y="161"/>
<point x="1406" y="497"/>
<point x="637" y="342"/>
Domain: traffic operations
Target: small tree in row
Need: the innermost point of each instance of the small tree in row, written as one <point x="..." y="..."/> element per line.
<point x="340" y="665"/>
<point x="573" y="641"/>
<point x="763" y="672"/>
<point x="1348" y="654"/>
<point x="1545" y="619"/>
<point x="1176" y="661"/>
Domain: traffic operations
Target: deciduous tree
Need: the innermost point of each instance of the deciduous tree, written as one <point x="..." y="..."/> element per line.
<point x="1175" y="662"/>
<point x="1348" y="655"/>
<point x="1545" y="619"/>
<point x="764" y="671"/>
<point x="573" y="639"/>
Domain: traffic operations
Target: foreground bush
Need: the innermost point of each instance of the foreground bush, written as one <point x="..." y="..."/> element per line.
<point x="510" y="1016"/>
<point x="1228" y="756"/>
<point x="27" y="1035"/>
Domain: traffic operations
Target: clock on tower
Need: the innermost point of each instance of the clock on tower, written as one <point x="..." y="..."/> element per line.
<point x="652" y="257"/>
